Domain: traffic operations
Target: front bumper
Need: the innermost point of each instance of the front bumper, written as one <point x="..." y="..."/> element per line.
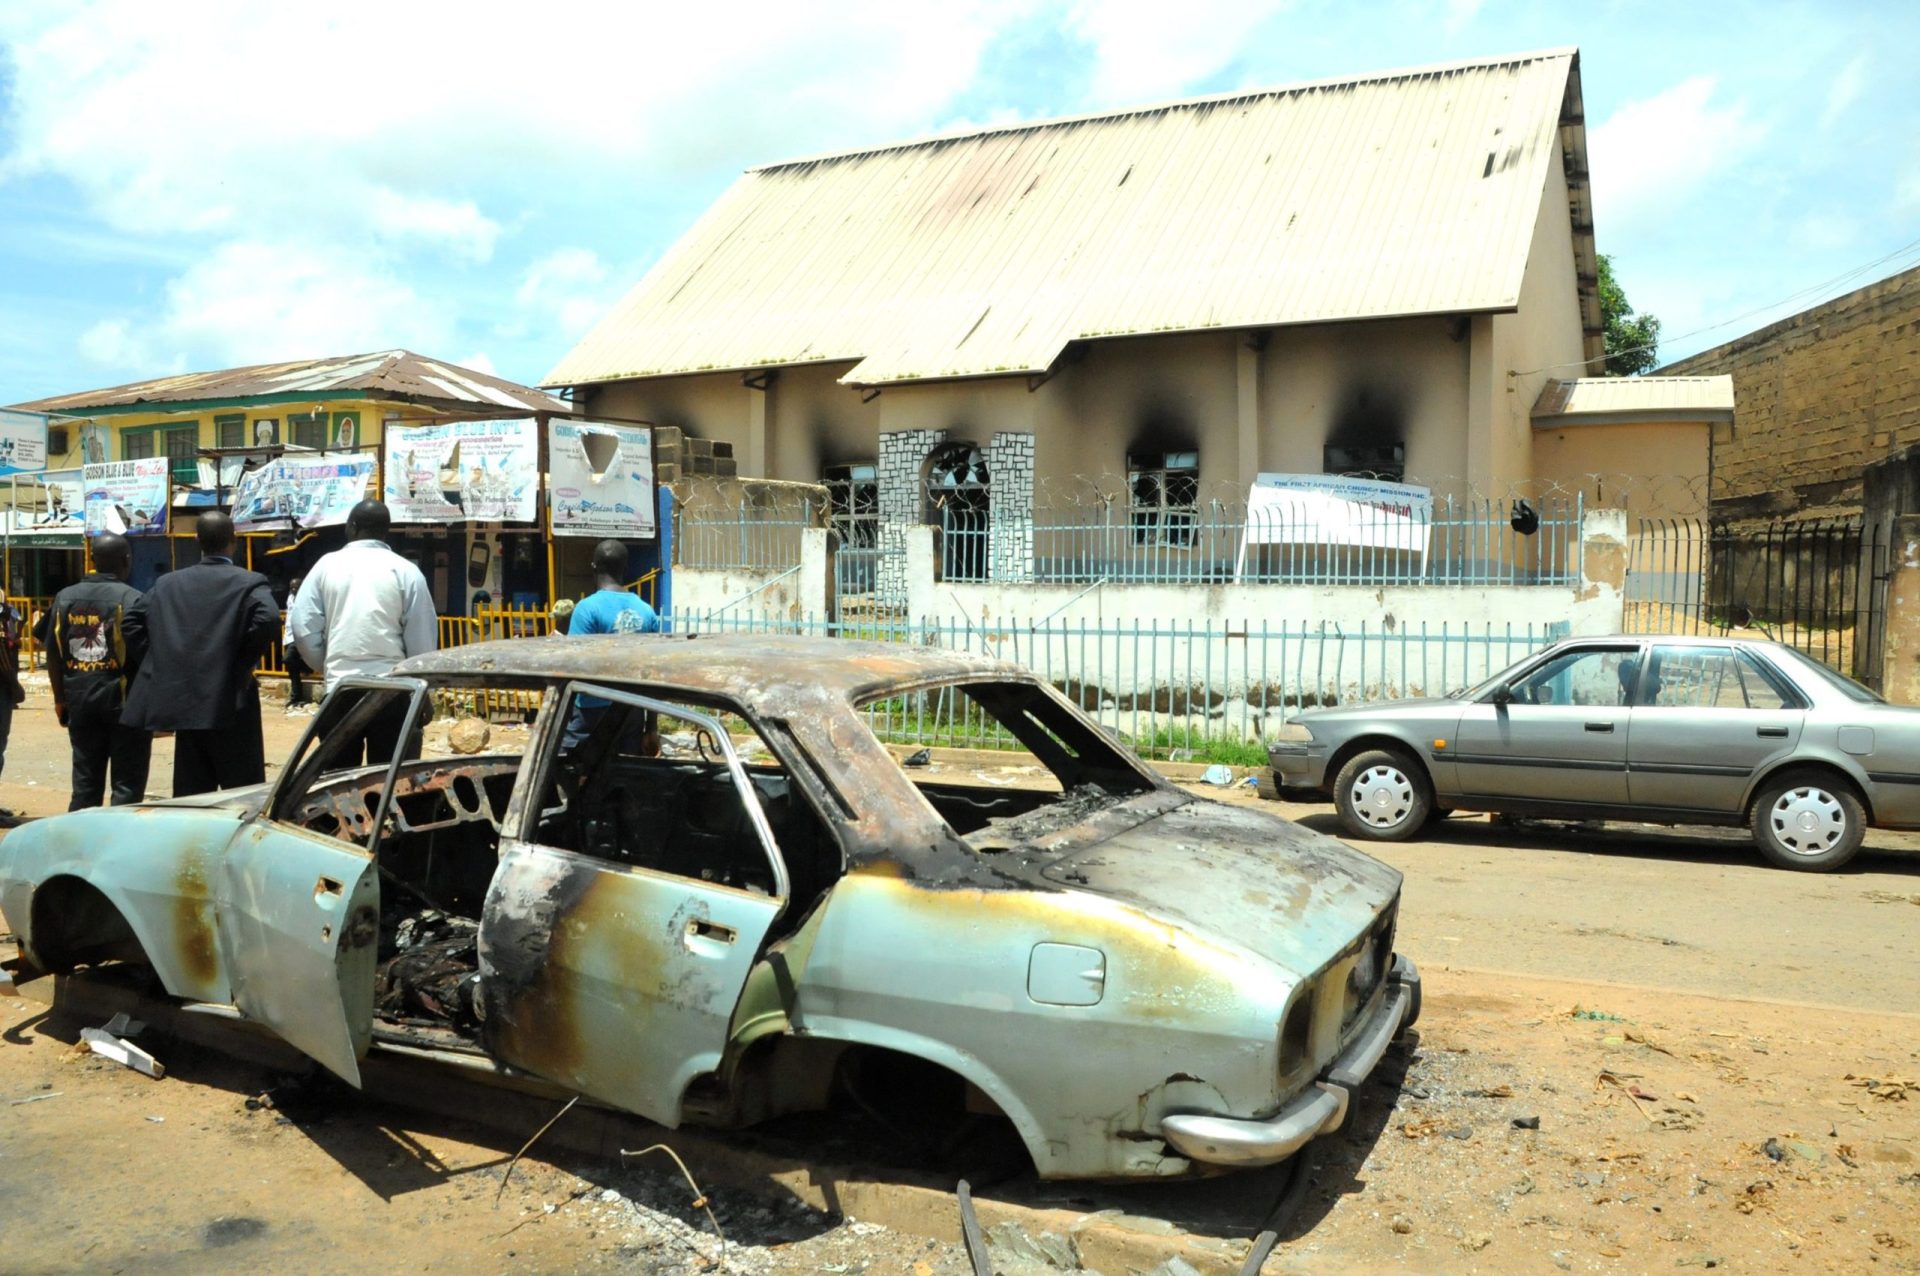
<point x="1299" y="766"/>
<point x="1319" y="1109"/>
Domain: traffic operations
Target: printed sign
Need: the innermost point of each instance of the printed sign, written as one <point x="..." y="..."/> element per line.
<point x="54" y="501"/>
<point x="94" y="439"/>
<point x="601" y="479"/>
<point x="23" y="441"/>
<point x="300" y="491"/>
<point x="462" y="471"/>
<point x="129" y="497"/>
<point x="1329" y="510"/>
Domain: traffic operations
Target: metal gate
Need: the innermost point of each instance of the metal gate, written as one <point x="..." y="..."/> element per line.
<point x="1818" y="585"/>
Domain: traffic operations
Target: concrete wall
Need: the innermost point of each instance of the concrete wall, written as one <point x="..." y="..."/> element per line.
<point x="1543" y="339"/>
<point x="801" y="591"/>
<point x="1649" y="470"/>
<point x="1817" y="397"/>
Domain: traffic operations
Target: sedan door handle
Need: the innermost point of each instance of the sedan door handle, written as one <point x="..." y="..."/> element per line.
<point x="1604" y="728"/>
<point x="1772" y="733"/>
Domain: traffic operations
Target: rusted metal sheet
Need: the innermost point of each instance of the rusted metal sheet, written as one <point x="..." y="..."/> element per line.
<point x="397" y="375"/>
<point x="984" y="254"/>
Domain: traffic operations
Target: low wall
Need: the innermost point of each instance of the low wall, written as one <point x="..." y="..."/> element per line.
<point x="793" y="592"/>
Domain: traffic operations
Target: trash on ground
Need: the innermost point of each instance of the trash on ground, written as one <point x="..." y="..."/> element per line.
<point x="1218" y="775"/>
<point x="34" y="1098"/>
<point x="124" y="1053"/>
<point x="1526" y="1123"/>
<point x="923" y="757"/>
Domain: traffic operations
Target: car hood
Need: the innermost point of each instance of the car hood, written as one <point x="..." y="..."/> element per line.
<point x="1418" y="704"/>
<point x="1243" y="877"/>
<point x="248" y="801"/>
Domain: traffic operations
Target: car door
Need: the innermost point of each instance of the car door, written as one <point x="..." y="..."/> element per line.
<point x="1707" y="718"/>
<point x="1556" y="733"/>
<point x="297" y="907"/>
<point x="625" y="915"/>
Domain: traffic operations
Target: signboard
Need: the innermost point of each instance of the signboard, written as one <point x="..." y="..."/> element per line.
<point x="1330" y="510"/>
<point x="462" y="471"/>
<point x="300" y="491"/>
<point x="46" y="510"/>
<point x="129" y="497"/>
<point x="601" y="479"/>
<point x="23" y="441"/>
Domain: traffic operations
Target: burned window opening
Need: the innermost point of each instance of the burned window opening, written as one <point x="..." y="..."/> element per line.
<point x="1164" y="497"/>
<point x="1089" y="771"/>
<point x="853" y="503"/>
<point x="960" y="503"/>
<point x="652" y="792"/>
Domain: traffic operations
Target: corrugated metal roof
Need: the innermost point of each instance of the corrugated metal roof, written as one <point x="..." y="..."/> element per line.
<point x="399" y="375"/>
<point x="1402" y="193"/>
<point x="1602" y="400"/>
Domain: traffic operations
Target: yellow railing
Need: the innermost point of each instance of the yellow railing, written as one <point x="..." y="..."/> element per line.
<point x="30" y="609"/>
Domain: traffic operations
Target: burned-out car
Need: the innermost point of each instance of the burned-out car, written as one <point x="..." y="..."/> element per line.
<point x="707" y="893"/>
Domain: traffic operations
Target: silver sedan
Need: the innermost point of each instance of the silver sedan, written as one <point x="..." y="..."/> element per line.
<point x="1665" y="730"/>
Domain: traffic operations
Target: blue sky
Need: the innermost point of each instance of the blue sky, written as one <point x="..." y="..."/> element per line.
<point x="192" y="187"/>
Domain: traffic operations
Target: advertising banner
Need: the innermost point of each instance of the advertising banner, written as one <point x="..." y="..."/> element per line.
<point x="300" y="491"/>
<point x="1320" y="511"/>
<point x="463" y="471"/>
<point x="23" y="441"/>
<point x="601" y="477"/>
<point x="129" y="497"/>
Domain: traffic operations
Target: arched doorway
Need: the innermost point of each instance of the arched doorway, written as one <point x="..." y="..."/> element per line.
<point x="960" y="504"/>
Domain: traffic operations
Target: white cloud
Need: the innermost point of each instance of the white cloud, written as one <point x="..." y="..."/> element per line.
<point x="256" y="302"/>
<point x="1826" y="230"/>
<point x="570" y="288"/>
<point x="1650" y="155"/>
<point x="1845" y="90"/>
<point x="479" y="361"/>
<point x="1145" y="51"/>
<point x="1459" y="14"/>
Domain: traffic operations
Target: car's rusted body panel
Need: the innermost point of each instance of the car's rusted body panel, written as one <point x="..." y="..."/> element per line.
<point x="1151" y="955"/>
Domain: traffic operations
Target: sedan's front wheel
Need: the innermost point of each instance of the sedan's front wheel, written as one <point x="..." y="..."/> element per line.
<point x="1808" y="822"/>
<point x="1382" y="795"/>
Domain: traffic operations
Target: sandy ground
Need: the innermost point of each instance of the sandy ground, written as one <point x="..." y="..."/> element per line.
<point x="1722" y="1058"/>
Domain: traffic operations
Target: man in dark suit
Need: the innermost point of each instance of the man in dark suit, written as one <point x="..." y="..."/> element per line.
<point x="204" y="628"/>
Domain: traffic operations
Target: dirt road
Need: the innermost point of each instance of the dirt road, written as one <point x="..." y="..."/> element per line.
<point x="1630" y="989"/>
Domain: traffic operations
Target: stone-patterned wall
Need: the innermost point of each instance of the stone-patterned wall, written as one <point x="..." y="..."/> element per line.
<point x="1010" y="534"/>
<point x="1817" y="398"/>
<point x="903" y="453"/>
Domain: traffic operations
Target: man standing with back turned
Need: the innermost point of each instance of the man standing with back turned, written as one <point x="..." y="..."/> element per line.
<point x="204" y="628"/>
<point x="90" y="665"/>
<point x="610" y="609"/>
<point x="361" y="611"/>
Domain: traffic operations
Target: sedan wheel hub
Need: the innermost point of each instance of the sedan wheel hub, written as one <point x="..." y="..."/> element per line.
<point x="1808" y="821"/>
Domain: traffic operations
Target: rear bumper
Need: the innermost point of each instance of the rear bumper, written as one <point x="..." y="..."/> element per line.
<point x="1319" y="1109"/>
<point x="1299" y="766"/>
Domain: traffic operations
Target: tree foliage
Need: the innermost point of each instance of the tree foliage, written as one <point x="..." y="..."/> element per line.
<point x="1633" y="340"/>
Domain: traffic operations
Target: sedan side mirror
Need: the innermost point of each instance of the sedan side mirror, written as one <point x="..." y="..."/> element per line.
<point x="1503" y="694"/>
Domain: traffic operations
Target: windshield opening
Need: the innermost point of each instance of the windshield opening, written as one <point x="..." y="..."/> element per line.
<point x="1081" y="770"/>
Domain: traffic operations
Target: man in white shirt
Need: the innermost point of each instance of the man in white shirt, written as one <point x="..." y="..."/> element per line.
<point x="361" y="611"/>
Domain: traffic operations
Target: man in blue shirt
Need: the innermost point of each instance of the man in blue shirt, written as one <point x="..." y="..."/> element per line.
<point x="610" y="609"/>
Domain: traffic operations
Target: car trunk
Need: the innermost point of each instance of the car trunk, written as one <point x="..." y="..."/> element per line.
<point x="1285" y="893"/>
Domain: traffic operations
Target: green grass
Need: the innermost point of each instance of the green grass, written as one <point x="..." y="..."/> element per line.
<point x="1230" y="751"/>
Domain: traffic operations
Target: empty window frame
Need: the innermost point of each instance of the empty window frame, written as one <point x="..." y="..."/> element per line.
<point x="853" y="503"/>
<point x="1164" y="492"/>
<point x="1386" y="461"/>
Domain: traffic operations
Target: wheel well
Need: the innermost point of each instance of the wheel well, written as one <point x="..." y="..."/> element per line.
<point x="1392" y="744"/>
<point x="75" y="924"/>
<point x="1827" y="770"/>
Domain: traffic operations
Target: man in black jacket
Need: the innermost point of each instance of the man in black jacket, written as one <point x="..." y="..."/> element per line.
<point x="204" y="628"/>
<point x="90" y="664"/>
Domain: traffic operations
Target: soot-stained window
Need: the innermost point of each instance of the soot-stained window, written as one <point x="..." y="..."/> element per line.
<point x="1165" y="495"/>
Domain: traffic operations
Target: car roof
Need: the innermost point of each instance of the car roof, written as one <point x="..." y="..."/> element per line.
<point x="756" y="670"/>
<point x="1671" y="640"/>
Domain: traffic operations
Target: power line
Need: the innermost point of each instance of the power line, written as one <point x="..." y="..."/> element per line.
<point x="1847" y="276"/>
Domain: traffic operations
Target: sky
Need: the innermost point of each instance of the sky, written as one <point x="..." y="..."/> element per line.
<point x="192" y="187"/>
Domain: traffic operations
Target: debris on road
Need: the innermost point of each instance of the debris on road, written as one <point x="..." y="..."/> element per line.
<point x="1217" y="775"/>
<point x="124" y="1053"/>
<point x="35" y="1098"/>
<point x="922" y="757"/>
<point x="1526" y="1123"/>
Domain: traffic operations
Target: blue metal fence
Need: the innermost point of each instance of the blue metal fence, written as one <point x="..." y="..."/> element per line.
<point x="1170" y="687"/>
<point x="1462" y="543"/>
